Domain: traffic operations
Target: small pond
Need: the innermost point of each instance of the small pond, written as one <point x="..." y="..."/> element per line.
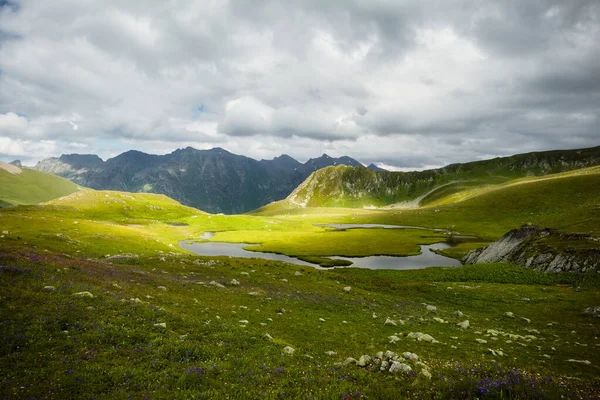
<point x="236" y="250"/>
<point x="427" y="257"/>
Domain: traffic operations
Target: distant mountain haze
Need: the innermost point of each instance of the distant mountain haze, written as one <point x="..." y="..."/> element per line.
<point x="214" y="180"/>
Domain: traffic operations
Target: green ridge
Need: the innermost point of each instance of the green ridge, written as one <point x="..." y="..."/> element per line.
<point x="32" y="187"/>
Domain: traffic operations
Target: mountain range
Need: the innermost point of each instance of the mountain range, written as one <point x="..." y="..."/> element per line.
<point x="214" y="180"/>
<point x="218" y="181"/>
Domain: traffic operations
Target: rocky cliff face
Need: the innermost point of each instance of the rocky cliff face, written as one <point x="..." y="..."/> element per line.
<point x="212" y="180"/>
<point x="542" y="249"/>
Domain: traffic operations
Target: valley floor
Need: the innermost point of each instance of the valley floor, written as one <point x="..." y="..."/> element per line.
<point x="98" y="301"/>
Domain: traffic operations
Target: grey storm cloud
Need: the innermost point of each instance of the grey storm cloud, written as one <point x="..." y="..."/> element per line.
<point x="410" y="84"/>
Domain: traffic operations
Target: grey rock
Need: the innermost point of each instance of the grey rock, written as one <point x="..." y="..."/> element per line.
<point x="364" y="360"/>
<point x="399" y="367"/>
<point x="464" y="324"/>
<point x="520" y="247"/>
<point x="84" y="294"/>
<point x="349" y="360"/>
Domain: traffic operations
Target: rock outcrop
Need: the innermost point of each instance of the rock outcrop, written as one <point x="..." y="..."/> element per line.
<point x="542" y="249"/>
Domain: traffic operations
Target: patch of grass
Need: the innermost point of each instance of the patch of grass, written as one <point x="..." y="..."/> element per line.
<point x="32" y="187"/>
<point x="56" y="344"/>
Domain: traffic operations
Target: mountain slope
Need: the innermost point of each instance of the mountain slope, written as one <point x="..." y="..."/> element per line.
<point x="211" y="180"/>
<point x="28" y="186"/>
<point x="343" y="186"/>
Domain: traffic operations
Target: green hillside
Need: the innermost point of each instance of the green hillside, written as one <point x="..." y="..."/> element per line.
<point x="28" y="186"/>
<point x="100" y="298"/>
<point x="357" y="187"/>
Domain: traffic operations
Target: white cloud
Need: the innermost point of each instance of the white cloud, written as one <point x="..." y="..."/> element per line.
<point x="12" y="124"/>
<point x="401" y="83"/>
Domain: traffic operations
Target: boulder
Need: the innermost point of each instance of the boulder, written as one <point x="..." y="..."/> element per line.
<point x="287" y="350"/>
<point x="421" y="337"/>
<point x="464" y="324"/>
<point x="394" y="339"/>
<point x="400" y="367"/>
<point x="364" y="360"/>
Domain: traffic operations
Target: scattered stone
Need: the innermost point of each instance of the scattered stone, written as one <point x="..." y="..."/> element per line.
<point x="458" y="313"/>
<point x="243" y="321"/>
<point x="431" y="308"/>
<point x="440" y="320"/>
<point x="116" y="286"/>
<point x="321" y="320"/>
<point x="390" y="355"/>
<point x="525" y="319"/>
<point x="347" y="289"/>
<point x="482" y="341"/>
<point x="390" y="322"/>
<point x="586" y="362"/>
<point x="268" y="337"/>
<point x="330" y="353"/>
<point x="297" y="273"/>
<point x="364" y="360"/>
<point x="509" y="314"/>
<point x="464" y="324"/>
<point x="495" y="352"/>
<point x="244" y="273"/>
<point x="161" y="324"/>
<point x="136" y="300"/>
<point x="288" y="350"/>
<point x="216" y="284"/>
<point x="426" y="373"/>
<point x="234" y="282"/>
<point x="162" y="288"/>
<point x="399" y="367"/>
<point x="422" y="337"/>
<point x="253" y="293"/>
<point x="546" y="356"/>
<point x="394" y="339"/>
<point x="49" y="288"/>
<point x="593" y="311"/>
<point x="123" y="256"/>
<point x="349" y="360"/>
<point x="410" y="356"/>
<point x="84" y="294"/>
<point x="384" y="365"/>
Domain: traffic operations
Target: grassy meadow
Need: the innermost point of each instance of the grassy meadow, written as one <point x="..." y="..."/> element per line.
<point x="157" y="322"/>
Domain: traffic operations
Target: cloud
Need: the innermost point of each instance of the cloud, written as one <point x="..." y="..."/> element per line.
<point x="402" y="83"/>
<point x="12" y="124"/>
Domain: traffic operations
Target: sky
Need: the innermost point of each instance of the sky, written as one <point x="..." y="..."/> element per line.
<point x="406" y="84"/>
